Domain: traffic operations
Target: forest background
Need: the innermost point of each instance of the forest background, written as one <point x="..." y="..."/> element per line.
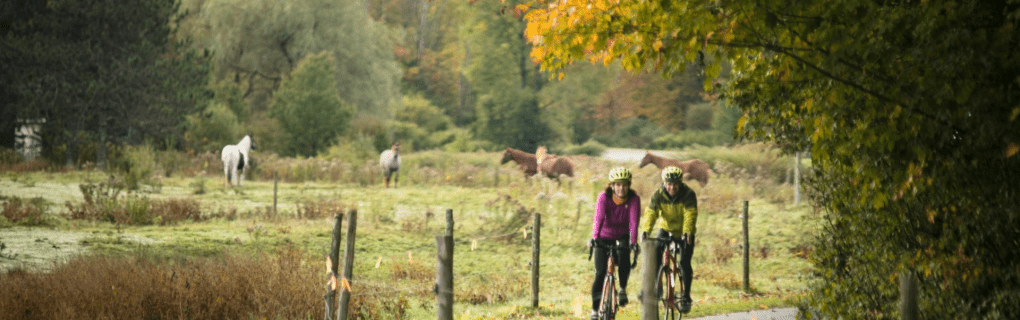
<point x="323" y="77"/>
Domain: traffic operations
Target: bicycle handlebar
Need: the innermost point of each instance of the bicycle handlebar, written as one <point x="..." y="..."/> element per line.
<point x="612" y="247"/>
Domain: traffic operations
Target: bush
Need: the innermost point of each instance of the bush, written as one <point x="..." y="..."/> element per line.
<point x="137" y="165"/>
<point x="591" y="148"/>
<point x="102" y="202"/>
<point x="690" y="138"/>
<point x="637" y="133"/>
<point x="33" y="212"/>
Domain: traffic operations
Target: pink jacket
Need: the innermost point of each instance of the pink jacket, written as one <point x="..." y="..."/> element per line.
<point x="616" y="221"/>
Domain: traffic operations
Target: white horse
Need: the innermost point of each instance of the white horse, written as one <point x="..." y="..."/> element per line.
<point x="235" y="158"/>
<point x="389" y="160"/>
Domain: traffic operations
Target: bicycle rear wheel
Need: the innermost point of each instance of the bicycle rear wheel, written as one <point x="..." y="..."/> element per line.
<point x="667" y="295"/>
<point x="607" y="307"/>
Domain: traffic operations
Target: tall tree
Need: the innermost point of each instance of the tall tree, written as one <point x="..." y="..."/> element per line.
<point x="99" y="71"/>
<point x="309" y="108"/>
<point x="256" y="43"/>
<point x="909" y="109"/>
<point x="503" y="78"/>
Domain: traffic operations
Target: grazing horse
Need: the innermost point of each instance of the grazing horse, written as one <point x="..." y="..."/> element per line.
<point x="235" y="158"/>
<point x="389" y="160"/>
<point x="694" y="169"/>
<point x="525" y="160"/>
<point x="552" y="165"/>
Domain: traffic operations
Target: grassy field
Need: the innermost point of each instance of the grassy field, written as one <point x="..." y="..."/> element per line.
<point x="395" y="247"/>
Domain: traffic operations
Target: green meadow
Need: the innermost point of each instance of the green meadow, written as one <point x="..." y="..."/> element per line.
<point x="185" y="245"/>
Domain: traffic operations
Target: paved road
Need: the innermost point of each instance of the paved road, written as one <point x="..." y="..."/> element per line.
<point x="771" y="314"/>
<point x="632" y="155"/>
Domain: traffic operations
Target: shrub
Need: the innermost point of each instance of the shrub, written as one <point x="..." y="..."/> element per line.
<point x="136" y="165"/>
<point x="591" y="148"/>
<point x="33" y="212"/>
<point x="318" y="209"/>
<point x="689" y="138"/>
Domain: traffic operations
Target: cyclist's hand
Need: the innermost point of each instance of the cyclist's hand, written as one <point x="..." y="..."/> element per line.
<point x="591" y="243"/>
<point x="636" y="248"/>
<point x="687" y="238"/>
<point x="644" y="236"/>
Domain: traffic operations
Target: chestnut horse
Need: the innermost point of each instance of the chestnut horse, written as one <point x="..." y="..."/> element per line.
<point x="552" y="165"/>
<point x="694" y="169"/>
<point x="523" y="159"/>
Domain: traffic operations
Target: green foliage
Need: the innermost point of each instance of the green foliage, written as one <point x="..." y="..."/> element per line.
<point x="30" y="212"/>
<point x="411" y="136"/>
<point x="137" y="166"/>
<point x="699" y="116"/>
<point x="515" y="122"/>
<point x="688" y="138"/>
<point x="464" y="141"/>
<point x="636" y="133"/>
<point x="99" y="71"/>
<point x="911" y="124"/>
<point x="258" y="43"/>
<point x="309" y="108"/>
<point x="213" y="128"/>
<point x="421" y="112"/>
<point x="726" y="119"/>
<point x="591" y="148"/>
<point x="352" y="150"/>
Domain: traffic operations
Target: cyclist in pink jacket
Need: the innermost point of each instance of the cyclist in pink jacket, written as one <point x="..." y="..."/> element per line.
<point x="617" y="213"/>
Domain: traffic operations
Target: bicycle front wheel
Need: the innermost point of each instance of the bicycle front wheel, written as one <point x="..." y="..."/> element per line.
<point x="607" y="307"/>
<point x="667" y="294"/>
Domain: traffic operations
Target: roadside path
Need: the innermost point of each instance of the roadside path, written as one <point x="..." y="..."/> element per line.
<point x="770" y="314"/>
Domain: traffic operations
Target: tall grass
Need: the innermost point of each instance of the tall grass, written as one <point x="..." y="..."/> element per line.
<point x="494" y="204"/>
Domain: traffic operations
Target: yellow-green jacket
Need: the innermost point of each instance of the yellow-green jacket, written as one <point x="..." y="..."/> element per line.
<point x="679" y="213"/>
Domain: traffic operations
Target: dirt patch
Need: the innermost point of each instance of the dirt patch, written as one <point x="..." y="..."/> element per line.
<point x="39" y="249"/>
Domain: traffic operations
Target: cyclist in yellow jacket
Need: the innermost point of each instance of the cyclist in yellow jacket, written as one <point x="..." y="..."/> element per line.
<point x="674" y="211"/>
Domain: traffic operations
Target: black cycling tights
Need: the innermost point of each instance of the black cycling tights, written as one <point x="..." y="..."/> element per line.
<point x="685" y="260"/>
<point x="622" y="266"/>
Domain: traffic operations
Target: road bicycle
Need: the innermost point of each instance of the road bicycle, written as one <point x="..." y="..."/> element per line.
<point x="670" y="274"/>
<point x="609" y="304"/>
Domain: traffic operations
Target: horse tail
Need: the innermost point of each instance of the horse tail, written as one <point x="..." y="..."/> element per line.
<point x="240" y="161"/>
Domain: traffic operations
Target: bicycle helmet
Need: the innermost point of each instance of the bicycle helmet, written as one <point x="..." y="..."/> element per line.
<point x="619" y="174"/>
<point x="672" y="174"/>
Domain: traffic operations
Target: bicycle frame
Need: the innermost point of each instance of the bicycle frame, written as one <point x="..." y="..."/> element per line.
<point x="609" y="302"/>
<point x="669" y="274"/>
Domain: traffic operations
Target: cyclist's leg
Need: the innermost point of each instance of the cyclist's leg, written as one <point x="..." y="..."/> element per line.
<point x="685" y="263"/>
<point x="601" y="258"/>
<point x="623" y="270"/>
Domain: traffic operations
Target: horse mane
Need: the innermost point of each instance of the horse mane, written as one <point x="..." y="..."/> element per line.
<point x="552" y="165"/>
<point x="541" y="154"/>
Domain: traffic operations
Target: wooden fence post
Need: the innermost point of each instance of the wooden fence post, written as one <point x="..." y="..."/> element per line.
<point x="449" y="222"/>
<point x="649" y="296"/>
<point x="276" y="180"/>
<point x="334" y="259"/>
<point x="747" y="253"/>
<point x="536" y="245"/>
<point x="345" y="294"/>
<point x="796" y="180"/>
<point x="444" y="271"/>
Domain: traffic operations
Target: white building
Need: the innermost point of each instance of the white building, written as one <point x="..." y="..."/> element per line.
<point x="26" y="138"/>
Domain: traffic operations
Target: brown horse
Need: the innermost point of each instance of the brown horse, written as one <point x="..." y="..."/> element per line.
<point x="694" y="169"/>
<point x="552" y="165"/>
<point x="523" y="159"/>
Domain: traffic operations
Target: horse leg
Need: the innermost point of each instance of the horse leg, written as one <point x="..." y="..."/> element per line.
<point x="240" y="177"/>
<point x="226" y="173"/>
<point x="396" y="177"/>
